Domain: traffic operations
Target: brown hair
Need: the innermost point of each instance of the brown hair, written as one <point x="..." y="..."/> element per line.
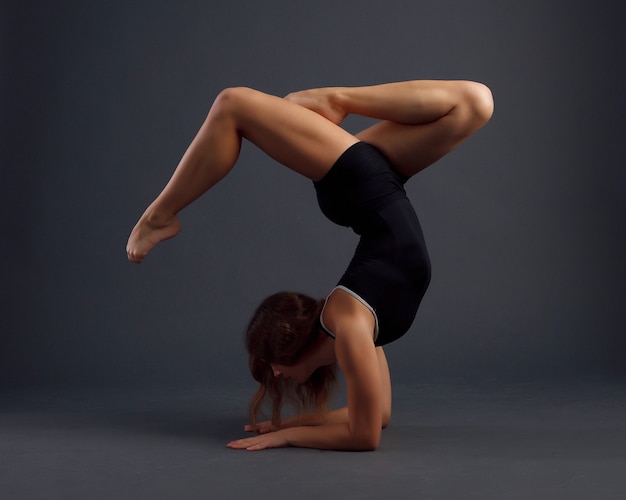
<point x="283" y="328"/>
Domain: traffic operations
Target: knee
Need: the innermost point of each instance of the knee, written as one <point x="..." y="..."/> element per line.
<point x="479" y="101"/>
<point x="473" y="108"/>
<point x="230" y="99"/>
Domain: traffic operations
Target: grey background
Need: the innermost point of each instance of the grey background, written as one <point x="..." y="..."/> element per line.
<point x="525" y="222"/>
<point x="122" y="382"/>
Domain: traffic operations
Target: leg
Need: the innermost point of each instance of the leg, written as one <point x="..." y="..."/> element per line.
<point x="421" y="120"/>
<point x="294" y="136"/>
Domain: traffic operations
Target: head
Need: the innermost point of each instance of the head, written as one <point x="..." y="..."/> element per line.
<point x="283" y="331"/>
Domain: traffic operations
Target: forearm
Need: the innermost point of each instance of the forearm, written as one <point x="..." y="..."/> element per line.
<point x="339" y="436"/>
<point x="330" y="437"/>
<point x="339" y="416"/>
<point x="412" y="102"/>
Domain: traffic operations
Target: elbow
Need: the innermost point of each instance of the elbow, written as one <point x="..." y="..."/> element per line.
<point x="368" y="445"/>
<point x="386" y="418"/>
<point x="368" y="441"/>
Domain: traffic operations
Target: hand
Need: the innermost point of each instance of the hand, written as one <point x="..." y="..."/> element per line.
<point x="262" y="427"/>
<point x="260" y="442"/>
<point x="322" y="101"/>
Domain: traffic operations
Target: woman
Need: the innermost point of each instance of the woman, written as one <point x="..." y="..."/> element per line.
<point x="294" y="340"/>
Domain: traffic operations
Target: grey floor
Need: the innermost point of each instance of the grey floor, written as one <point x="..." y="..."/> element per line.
<point x="447" y="440"/>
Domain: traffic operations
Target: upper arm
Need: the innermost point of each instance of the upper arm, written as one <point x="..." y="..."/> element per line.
<point x="359" y="362"/>
<point x="385" y="380"/>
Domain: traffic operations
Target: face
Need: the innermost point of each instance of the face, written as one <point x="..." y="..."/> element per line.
<point x="299" y="372"/>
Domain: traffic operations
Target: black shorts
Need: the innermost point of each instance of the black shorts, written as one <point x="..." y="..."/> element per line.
<point x="390" y="269"/>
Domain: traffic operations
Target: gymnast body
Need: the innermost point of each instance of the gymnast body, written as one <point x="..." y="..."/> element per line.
<point x="295" y="342"/>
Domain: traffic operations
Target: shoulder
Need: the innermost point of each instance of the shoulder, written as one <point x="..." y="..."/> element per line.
<point x="345" y="316"/>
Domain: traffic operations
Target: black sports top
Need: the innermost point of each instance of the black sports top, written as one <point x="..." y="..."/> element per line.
<point x="390" y="269"/>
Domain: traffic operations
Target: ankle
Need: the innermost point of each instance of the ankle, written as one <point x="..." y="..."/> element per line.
<point x="338" y="99"/>
<point x="157" y="218"/>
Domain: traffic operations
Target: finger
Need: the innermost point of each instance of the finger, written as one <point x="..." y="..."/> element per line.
<point x="255" y="447"/>
<point x="240" y="444"/>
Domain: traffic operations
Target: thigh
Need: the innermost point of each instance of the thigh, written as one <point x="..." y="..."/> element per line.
<point x="412" y="148"/>
<point x="291" y="134"/>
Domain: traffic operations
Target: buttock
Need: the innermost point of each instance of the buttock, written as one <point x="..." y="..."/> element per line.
<point x="360" y="183"/>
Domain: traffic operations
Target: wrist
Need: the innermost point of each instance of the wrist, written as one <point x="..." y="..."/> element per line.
<point x="287" y="435"/>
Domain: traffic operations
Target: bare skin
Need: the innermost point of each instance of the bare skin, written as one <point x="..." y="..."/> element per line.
<point x="339" y="415"/>
<point x="293" y="135"/>
<point x="420" y="121"/>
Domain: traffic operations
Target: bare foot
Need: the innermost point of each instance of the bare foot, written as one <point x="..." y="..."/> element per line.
<point x="149" y="231"/>
<point x="321" y="101"/>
